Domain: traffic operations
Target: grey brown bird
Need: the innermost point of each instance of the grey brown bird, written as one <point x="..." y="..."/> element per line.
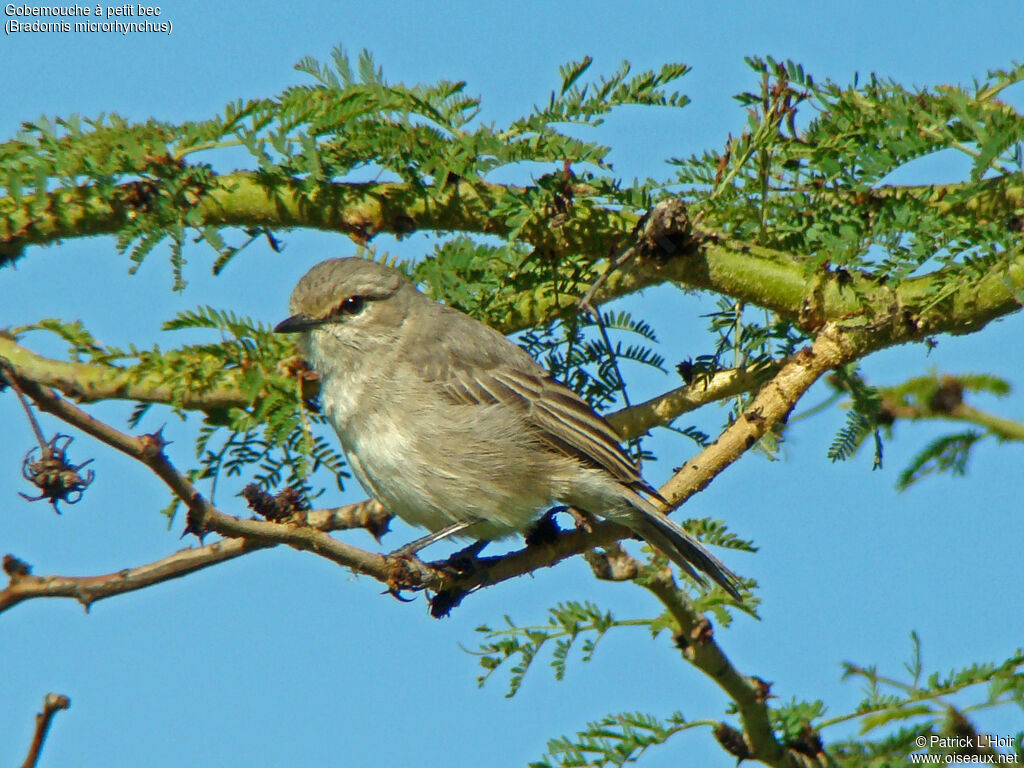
<point x="453" y="427"/>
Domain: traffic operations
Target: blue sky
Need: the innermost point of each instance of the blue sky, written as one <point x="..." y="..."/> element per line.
<point x="282" y="658"/>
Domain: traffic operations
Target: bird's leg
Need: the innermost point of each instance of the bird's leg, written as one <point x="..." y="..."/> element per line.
<point x="449" y="530"/>
<point x="465" y="560"/>
<point x="470" y="552"/>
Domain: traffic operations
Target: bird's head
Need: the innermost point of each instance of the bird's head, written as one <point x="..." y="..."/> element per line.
<point x="353" y="302"/>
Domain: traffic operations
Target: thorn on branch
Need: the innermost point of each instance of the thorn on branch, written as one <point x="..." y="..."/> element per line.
<point x="397" y="594"/>
<point x="154" y="443"/>
<point x="16" y="568"/>
<point x="808" y="742"/>
<point x="762" y="689"/>
<point x="195" y="525"/>
<point x="701" y="634"/>
<point x="685" y="370"/>
<point x="732" y="741"/>
<point x="284" y="506"/>
<point x="272" y="241"/>
<point x="377" y="525"/>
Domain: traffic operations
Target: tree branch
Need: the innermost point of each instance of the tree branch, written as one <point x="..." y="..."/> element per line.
<point x="638" y="419"/>
<point x="363" y="210"/>
<point x="203" y="517"/>
<point x="773" y="403"/>
<point x="92" y="382"/>
<point x="696" y="640"/>
<point x="90" y="589"/>
<point x="1004" y="429"/>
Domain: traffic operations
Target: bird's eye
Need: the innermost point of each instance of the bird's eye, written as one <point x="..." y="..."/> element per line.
<point x="353" y="305"/>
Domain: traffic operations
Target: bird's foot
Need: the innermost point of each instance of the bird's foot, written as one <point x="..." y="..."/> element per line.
<point x="545" y="530"/>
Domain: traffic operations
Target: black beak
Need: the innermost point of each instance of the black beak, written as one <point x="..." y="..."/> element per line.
<point x="295" y="323"/>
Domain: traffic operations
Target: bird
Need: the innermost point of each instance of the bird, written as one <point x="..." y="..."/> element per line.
<point x="455" y="428"/>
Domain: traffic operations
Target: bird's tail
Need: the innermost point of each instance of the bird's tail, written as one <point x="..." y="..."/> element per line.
<point x="679" y="546"/>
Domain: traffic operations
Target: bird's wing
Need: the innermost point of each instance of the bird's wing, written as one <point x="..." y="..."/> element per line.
<point x="479" y="366"/>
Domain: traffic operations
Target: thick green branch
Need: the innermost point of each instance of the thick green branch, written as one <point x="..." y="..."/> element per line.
<point x="92" y="382"/>
<point x="362" y="210"/>
<point x="667" y="248"/>
<point x="679" y="252"/>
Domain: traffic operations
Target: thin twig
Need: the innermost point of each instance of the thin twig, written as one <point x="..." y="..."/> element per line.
<point x="697" y="643"/>
<point x="5" y="366"/>
<point x="90" y="589"/>
<point x="586" y="303"/>
<point x="695" y="638"/>
<point x="52" y="704"/>
<point x="637" y="419"/>
<point x="87" y="590"/>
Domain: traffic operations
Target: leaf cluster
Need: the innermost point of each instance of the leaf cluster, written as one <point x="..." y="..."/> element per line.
<point x="874" y="410"/>
<point x="922" y="706"/>
<point x="350" y="125"/>
<point x="567" y="623"/>
<point x="808" y="174"/>
<point x="613" y="740"/>
<point x="270" y="441"/>
<point x="892" y="716"/>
